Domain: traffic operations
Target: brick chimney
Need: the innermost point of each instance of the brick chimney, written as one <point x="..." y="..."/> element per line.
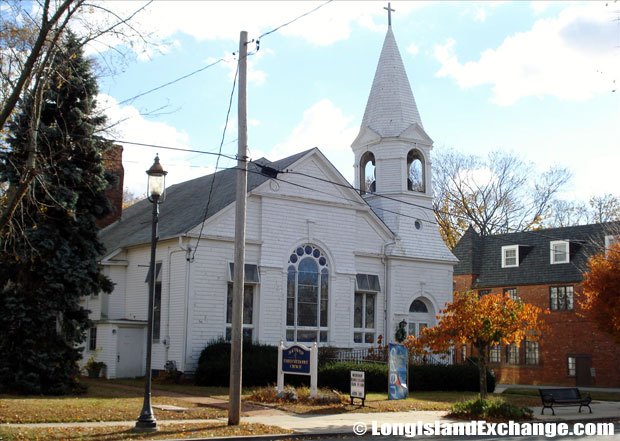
<point x="113" y="163"/>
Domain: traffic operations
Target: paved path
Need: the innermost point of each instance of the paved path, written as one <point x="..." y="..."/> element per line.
<point x="499" y="388"/>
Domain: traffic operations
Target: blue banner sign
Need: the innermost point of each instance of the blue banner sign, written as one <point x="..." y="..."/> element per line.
<point x="296" y="360"/>
<point x="397" y="374"/>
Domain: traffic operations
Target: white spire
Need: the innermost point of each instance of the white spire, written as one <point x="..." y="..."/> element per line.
<point x="391" y="107"/>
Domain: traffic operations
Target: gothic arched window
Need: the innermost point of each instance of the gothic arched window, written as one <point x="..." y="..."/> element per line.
<point x="415" y="171"/>
<point x="307" y="295"/>
<point x="367" y="173"/>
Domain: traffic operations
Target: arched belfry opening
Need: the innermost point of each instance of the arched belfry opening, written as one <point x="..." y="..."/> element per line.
<point x="416" y="174"/>
<point x="367" y="173"/>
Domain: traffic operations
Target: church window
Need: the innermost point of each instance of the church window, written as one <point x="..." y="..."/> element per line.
<point x="92" y="340"/>
<point x="156" y="300"/>
<point x="367" y="173"/>
<point x="364" y="307"/>
<point x="251" y="278"/>
<point x="418" y="306"/>
<point x="419" y="317"/>
<point x="415" y="172"/>
<point x="248" y="311"/>
<point x="307" y="296"/>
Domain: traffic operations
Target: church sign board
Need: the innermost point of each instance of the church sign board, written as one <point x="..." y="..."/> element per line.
<point x="358" y="386"/>
<point x="298" y="360"/>
<point x="397" y="372"/>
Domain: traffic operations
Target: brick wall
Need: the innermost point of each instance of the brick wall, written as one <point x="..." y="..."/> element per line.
<point x="570" y="334"/>
<point x="113" y="163"/>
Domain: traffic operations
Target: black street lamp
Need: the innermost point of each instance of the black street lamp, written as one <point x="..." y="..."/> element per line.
<point x="156" y="186"/>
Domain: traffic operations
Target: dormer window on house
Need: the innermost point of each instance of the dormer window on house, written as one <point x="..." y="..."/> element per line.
<point x="610" y="240"/>
<point x="560" y="251"/>
<point x="415" y="171"/>
<point x="510" y="256"/>
<point x="367" y="173"/>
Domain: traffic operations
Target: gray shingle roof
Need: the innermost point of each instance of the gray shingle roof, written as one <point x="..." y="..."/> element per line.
<point x="185" y="204"/>
<point x="482" y="255"/>
<point x="391" y="107"/>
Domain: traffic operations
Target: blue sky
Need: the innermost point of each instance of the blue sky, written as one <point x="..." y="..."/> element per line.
<point x="532" y="78"/>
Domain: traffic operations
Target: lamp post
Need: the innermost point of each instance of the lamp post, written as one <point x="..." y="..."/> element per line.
<point x="155" y="189"/>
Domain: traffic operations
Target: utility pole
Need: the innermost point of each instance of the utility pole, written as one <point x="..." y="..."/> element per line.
<point x="234" y="391"/>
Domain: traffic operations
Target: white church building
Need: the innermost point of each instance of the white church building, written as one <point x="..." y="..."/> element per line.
<point x="325" y="262"/>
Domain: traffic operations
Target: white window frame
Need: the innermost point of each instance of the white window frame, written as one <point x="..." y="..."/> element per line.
<point x="495" y="354"/>
<point x="249" y="326"/>
<point x="510" y="248"/>
<point x="364" y="329"/>
<point x="555" y="243"/>
<point x="610" y="240"/>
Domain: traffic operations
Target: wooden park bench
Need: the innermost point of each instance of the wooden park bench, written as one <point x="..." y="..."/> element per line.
<point x="563" y="397"/>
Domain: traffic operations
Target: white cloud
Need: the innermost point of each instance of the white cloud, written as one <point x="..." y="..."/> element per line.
<point x="539" y="6"/>
<point x="137" y="159"/>
<point x="480" y="14"/>
<point x="225" y="19"/>
<point x="324" y="126"/>
<point x="413" y="49"/>
<point x="572" y="56"/>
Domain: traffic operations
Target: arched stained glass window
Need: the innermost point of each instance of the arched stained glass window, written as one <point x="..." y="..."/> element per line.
<point x="418" y="306"/>
<point x="307" y="295"/>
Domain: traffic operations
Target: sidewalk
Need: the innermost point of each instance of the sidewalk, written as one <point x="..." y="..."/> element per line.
<point x="499" y="388"/>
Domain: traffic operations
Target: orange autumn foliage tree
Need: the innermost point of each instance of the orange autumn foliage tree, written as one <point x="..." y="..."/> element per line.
<point x="482" y="322"/>
<point x="601" y="291"/>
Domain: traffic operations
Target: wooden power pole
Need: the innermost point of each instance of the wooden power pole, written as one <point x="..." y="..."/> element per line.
<point x="234" y="391"/>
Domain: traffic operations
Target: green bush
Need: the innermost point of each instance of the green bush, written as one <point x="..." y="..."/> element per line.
<point x="336" y="375"/>
<point x="259" y="364"/>
<point x="496" y="409"/>
<point x="461" y="377"/>
<point x="260" y="369"/>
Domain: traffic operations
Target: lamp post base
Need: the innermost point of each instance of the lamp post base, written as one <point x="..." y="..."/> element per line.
<point x="145" y="426"/>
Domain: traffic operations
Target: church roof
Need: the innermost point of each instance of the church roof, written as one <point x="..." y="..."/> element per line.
<point x="391" y="107"/>
<point x="185" y="204"/>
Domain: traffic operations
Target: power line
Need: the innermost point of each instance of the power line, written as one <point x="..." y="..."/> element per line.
<point x="293" y="20"/>
<point x="217" y="162"/>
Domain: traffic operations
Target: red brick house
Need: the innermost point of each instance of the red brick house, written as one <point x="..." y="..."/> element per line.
<point x="544" y="268"/>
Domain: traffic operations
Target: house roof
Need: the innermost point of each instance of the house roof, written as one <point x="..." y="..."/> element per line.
<point x="482" y="255"/>
<point x="185" y="204"/>
<point x="391" y="107"/>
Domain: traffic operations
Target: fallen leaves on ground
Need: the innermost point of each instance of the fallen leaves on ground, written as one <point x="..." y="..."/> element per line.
<point x="118" y="433"/>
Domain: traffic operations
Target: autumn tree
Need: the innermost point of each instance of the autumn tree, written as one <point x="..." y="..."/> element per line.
<point x="52" y="264"/>
<point x="601" y="293"/>
<point x="496" y="194"/>
<point x="481" y="322"/>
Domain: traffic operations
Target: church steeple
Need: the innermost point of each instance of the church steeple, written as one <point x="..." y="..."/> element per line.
<point x="392" y="159"/>
<point x="391" y="107"/>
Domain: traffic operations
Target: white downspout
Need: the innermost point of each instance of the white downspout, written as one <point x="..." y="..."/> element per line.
<point x="188" y="261"/>
<point x="386" y="322"/>
<point x="170" y="253"/>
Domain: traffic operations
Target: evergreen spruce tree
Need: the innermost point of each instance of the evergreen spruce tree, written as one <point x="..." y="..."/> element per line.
<point x="49" y="261"/>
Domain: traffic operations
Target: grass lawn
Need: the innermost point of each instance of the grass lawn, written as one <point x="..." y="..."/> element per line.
<point x="118" y="433"/>
<point x="378" y="402"/>
<point x="182" y="388"/>
<point x="100" y="403"/>
<point x="596" y="395"/>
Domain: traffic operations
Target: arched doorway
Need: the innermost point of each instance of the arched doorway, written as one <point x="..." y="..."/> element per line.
<point x="421" y="315"/>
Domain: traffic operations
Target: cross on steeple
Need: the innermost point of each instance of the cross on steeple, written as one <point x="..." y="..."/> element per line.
<point x="390" y="10"/>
